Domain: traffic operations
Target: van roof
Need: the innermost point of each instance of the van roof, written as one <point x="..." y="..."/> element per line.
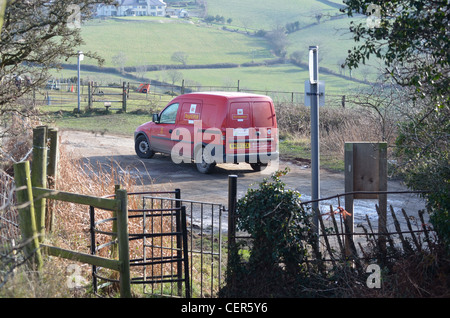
<point x="225" y="94"/>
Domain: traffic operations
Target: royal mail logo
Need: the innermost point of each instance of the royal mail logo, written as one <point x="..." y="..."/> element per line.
<point x="239" y="116"/>
<point x="190" y="116"/>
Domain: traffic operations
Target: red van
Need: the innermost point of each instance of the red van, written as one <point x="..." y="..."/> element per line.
<point x="213" y="127"/>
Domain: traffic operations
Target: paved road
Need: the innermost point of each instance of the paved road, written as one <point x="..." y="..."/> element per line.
<point x="160" y="173"/>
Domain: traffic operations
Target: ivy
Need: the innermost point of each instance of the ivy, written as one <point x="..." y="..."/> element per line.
<point x="281" y="229"/>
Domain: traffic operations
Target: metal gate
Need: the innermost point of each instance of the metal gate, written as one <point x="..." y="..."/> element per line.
<point x="172" y="242"/>
<point x="205" y="228"/>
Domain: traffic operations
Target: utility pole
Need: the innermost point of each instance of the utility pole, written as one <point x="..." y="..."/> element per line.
<point x="315" y="154"/>
<point x="80" y="58"/>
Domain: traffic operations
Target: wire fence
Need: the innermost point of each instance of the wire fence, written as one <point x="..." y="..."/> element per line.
<point x="9" y="228"/>
<point x="140" y="95"/>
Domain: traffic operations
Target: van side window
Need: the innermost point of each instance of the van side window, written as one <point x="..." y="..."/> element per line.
<point x="169" y="115"/>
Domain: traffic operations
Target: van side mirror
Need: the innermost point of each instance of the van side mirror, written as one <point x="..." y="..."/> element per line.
<point x="156" y="118"/>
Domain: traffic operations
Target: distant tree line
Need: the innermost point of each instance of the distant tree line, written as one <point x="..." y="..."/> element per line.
<point x="217" y="19"/>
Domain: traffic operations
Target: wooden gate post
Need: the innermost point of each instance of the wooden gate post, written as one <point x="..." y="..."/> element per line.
<point x="24" y="193"/>
<point x="124" y="246"/>
<point x="52" y="175"/>
<point x="114" y="247"/>
<point x="124" y="97"/>
<point x="366" y="171"/>
<point x="39" y="175"/>
<point x="90" y="92"/>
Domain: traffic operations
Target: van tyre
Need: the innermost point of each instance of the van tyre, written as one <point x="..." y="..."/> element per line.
<point x="142" y="148"/>
<point x="258" y="166"/>
<point x="205" y="166"/>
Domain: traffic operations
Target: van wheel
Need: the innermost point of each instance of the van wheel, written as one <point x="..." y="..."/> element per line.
<point x="258" y="166"/>
<point x="206" y="166"/>
<point x="142" y="148"/>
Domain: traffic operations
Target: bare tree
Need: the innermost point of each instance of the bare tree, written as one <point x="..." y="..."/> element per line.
<point x="385" y="107"/>
<point x="120" y="59"/>
<point x="174" y="76"/>
<point x="141" y="70"/>
<point x="298" y="57"/>
<point x="278" y="41"/>
<point x="37" y="36"/>
<point x="180" y="57"/>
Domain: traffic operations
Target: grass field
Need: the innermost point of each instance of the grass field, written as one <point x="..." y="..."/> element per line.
<point x="286" y="78"/>
<point x="153" y="40"/>
<point x="266" y="14"/>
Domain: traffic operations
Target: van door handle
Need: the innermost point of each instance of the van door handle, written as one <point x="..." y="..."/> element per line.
<point x="170" y="131"/>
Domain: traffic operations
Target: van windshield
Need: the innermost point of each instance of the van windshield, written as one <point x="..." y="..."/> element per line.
<point x="169" y="115"/>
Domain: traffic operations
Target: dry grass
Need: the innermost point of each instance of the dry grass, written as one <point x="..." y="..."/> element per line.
<point x="336" y="126"/>
<point x="72" y="220"/>
<point x="71" y="229"/>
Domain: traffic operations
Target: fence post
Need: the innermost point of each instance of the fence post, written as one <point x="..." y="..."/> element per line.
<point x="122" y="234"/>
<point x="179" y="239"/>
<point x="52" y="175"/>
<point x="232" y="251"/>
<point x="124" y="97"/>
<point x="366" y="170"/>
<point x="24" y="193"/>
<point x="117" y="187"/>
<point x="89" y="94"/>
<point x="232" y="198"/>
<point x="382" y="198"/>
<point x="93" y="246"/>
<point x="39" y="175"/>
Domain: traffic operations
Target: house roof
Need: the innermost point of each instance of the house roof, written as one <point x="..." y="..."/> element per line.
<point x="157" y="3"/>
<point x="136" y="2"/>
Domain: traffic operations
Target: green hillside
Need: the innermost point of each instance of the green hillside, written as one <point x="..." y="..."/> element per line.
<point x="149" y="41"/>
<point x="267" y="15"/>
<point x="152" y="41"/>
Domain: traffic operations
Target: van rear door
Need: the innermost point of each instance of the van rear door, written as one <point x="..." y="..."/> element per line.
<point x="263" y="116"/>
<point x="265" y="125"/>
<point x="238" y="129"/>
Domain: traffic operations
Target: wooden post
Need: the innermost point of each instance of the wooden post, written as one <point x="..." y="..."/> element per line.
<point x="122" y="233"/>
<point x="366" y="171"/>
<point x="348" y="198"/>
<point x="382" y="198"/>
<point x="124" y="97"/>
<point x="24" y="193"/>
<point x="90" y="91"/>
<point x="114" y="247"/>
<point x="52" y="175"/>
<point x="39" y="175"/>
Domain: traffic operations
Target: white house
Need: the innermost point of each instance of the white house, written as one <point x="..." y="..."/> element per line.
<point x="156" y="8"/>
